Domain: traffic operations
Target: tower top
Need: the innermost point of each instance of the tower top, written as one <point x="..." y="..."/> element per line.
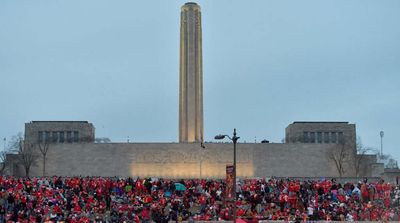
<point x="190" y="5"/>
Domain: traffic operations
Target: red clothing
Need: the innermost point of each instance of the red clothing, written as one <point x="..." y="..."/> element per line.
<point x="145" y="214"/>
<point x="374" y="215"/>
<point x="202" y="200"/>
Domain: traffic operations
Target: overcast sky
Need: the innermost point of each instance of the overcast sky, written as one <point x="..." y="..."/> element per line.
<point x="266" y="64"/>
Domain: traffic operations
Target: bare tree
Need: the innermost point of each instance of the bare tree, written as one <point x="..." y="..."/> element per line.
<point x="339" y="156"/>
<point x="27" y="155"/>
<point x="392" y="164"/>
<point x="3" y="162"/>
<point x="361" y="155"/>
<point x="14" y="144"/>
<point x="44" y="148"/>
<point x="388" y="161"/>
<point x="11" y="148"/>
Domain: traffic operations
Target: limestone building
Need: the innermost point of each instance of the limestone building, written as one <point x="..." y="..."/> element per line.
<point x="59" y="132"/>
<point x="191" y="75"/>
<point x="191" y="160"/>
<point x="321" y="132"/>
<point x="306" y="152"/>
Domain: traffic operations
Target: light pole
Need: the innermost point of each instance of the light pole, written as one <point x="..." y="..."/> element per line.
<point x="234" y="139"/>
<point x="381" y="134"/>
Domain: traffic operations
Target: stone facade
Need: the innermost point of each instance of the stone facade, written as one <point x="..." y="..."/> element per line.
<point x="322" y="133"/>
<point x="366" y="167"/>
<point x="187" y="160"/>
<point x="391" y="175"/>
<point x="192" y="160"/>
<point x="191" y="75"/>
<point x="341" y="134"/>
<point x="59" y="132"/>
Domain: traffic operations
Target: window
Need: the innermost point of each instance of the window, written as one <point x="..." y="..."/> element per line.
<point x="333" y="137"/>
<point x="305" y="137"/>
<point x="54" y="137"/>
<point x="341" y="138"/>
<point x="47" y="137"/>
<point x="319" y="137"/>
<point x="76" y="136"/>
<point x="40" y="134"/>
<point x="69" y="136"/>
<point x="326" y="137"/>
<point x="62" y="139"/>
<point x="312" y="137"/>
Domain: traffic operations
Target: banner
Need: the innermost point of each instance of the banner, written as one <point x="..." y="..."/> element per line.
<point x="229" y="192"/>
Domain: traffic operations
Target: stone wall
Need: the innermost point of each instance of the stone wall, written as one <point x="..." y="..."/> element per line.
<point x="391" y="175"/>
<point x="377" y="169"/>
<point x="365" y="168"/>
<point x="294" y="132"/>
<point x="175" y="160"/>
<point x="86" y="130"/>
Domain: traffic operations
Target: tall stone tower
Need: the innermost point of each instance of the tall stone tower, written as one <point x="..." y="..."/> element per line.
<point x="191" y="76"/>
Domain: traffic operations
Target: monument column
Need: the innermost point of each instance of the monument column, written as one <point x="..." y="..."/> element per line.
<point x="191" y="75"/>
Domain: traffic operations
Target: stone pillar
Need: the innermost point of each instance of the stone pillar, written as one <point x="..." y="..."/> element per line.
<point x="191" y="75"/>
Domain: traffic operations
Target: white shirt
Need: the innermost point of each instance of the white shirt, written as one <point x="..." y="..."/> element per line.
<point x="310" y="210"/>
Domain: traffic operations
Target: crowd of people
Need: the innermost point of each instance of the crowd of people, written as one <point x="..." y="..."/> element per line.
<point x="99" y="199"/>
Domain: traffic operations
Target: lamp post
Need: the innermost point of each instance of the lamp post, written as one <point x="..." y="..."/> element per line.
<point x="234" y="139"/>
<point x="381" y="134"/>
